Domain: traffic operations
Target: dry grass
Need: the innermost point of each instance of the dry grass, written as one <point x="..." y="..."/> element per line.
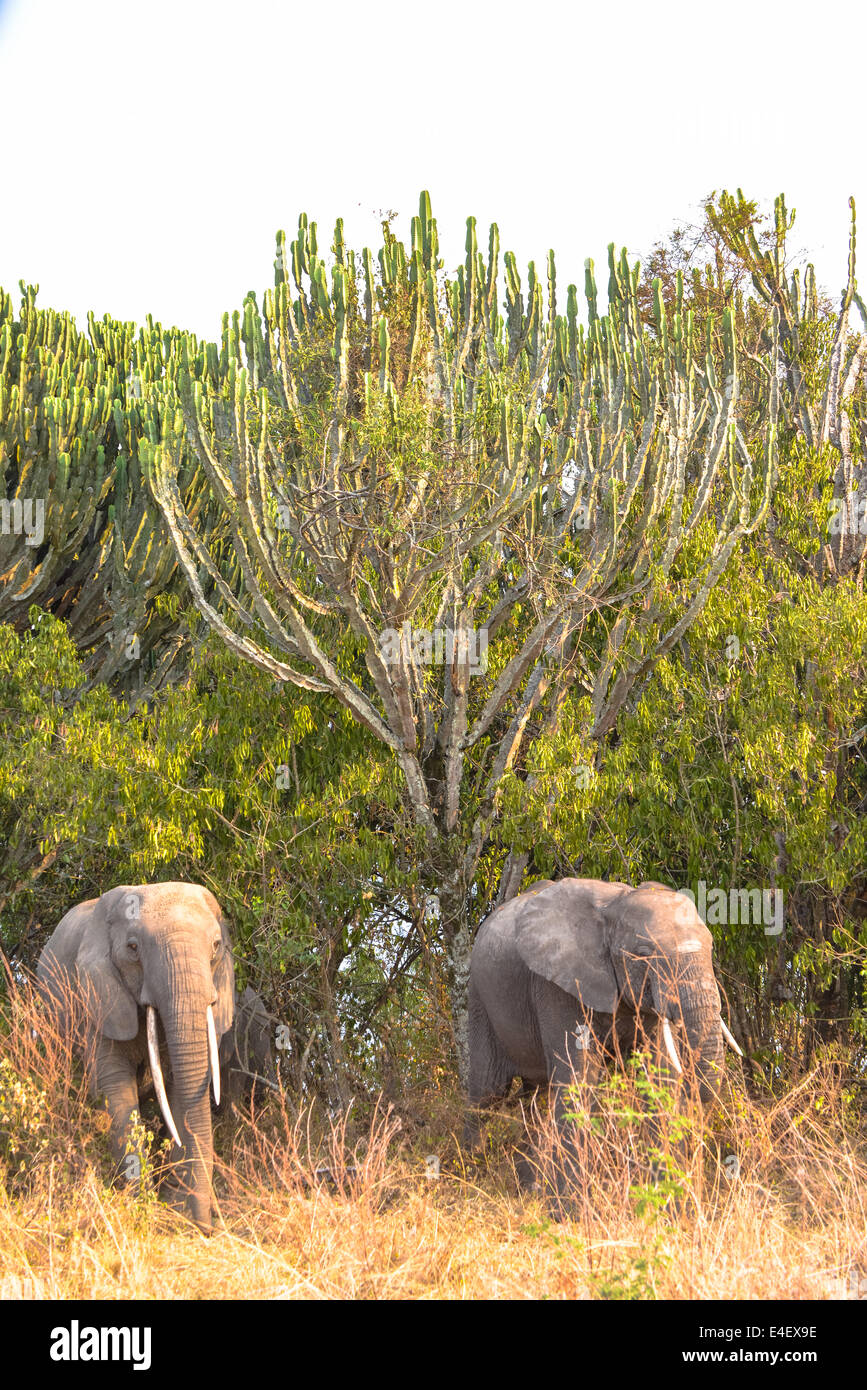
<point x="790" y="1224"/>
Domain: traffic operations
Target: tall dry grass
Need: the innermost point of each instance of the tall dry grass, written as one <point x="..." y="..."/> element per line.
<point x="312" y="1206"/>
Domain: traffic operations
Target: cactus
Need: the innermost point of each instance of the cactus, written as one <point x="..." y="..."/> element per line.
<point x="73" y="408"/>
<point x="642" y="422"/>
<point x="797" y="313"/>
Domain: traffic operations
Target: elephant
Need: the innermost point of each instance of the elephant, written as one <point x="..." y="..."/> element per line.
<point x="153" y="966"/>
<point x="247" y="1050"/>
<point x="569" y="973"/>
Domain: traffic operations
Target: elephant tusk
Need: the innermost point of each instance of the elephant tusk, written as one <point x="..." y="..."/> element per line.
<point x="157" y="1074"/>
<point x="214" y="1052"/>
<point x="670" y="1047"/>
<point x="729" y="1039"/>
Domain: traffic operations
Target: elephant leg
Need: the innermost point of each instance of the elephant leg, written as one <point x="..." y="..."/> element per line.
<point x="490" y="1073"/>
<point x="526" y="1167"/>
<point x="574" y="1075"/>
<point x="115" y="1081"/>
<point x="574" y="1067"/>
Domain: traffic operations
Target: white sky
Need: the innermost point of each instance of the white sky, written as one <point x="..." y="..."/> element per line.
<point x="150" y="151"/>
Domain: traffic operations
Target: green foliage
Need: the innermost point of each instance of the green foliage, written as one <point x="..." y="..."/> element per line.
<point x="289" y="812"/>
<point x="625" y="1097"/>
<point x="144" y="1157"/>
<point x="634" y="1279"/>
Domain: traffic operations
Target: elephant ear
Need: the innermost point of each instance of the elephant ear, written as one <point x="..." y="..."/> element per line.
<point x="224" y="972"/>
<point x="252" y="1031"/>
<point x="56" y="971"/>
<point x="112" y="1007"/>
<point x="561" y="935"/>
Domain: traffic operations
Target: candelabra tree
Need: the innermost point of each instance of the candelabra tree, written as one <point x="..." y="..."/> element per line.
<point x="817" y="553"/>
<point x="447" y="515"/>
<point x="79" y="534"/>
<point x="826" y="417"/>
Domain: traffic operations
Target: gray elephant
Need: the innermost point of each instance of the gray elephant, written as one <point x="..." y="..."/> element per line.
<point x="570" y="973"/>
<point x="153" y="965"/>
<point x="247" y="1050"/>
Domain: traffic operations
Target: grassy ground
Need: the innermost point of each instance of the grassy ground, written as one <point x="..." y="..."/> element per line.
<point x="766" y="1199"/>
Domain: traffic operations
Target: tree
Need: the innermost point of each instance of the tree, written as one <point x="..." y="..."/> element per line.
<point x="224" y="780"/>
<point x="79" y="534"/>
<point x="447" y="518"/>
<point x="823" y="410"/>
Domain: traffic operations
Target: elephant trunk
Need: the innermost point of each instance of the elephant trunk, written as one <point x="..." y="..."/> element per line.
<point x="186" y="1031"/>
<point x="687" y="995"/>
<point x="699" y="1010"/>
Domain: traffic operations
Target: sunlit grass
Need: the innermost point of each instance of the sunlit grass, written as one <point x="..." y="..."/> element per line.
<point x="787" y="1219"/>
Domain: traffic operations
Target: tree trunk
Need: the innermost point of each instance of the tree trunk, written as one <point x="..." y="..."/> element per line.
<point x="457" y="937"/>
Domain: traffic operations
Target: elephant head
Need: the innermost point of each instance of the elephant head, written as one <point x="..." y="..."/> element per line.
<point x="644" y="949"/>
<point x="151" y="957"/>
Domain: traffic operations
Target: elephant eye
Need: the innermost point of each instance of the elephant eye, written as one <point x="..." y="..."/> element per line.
<point x="132" y="947"/>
